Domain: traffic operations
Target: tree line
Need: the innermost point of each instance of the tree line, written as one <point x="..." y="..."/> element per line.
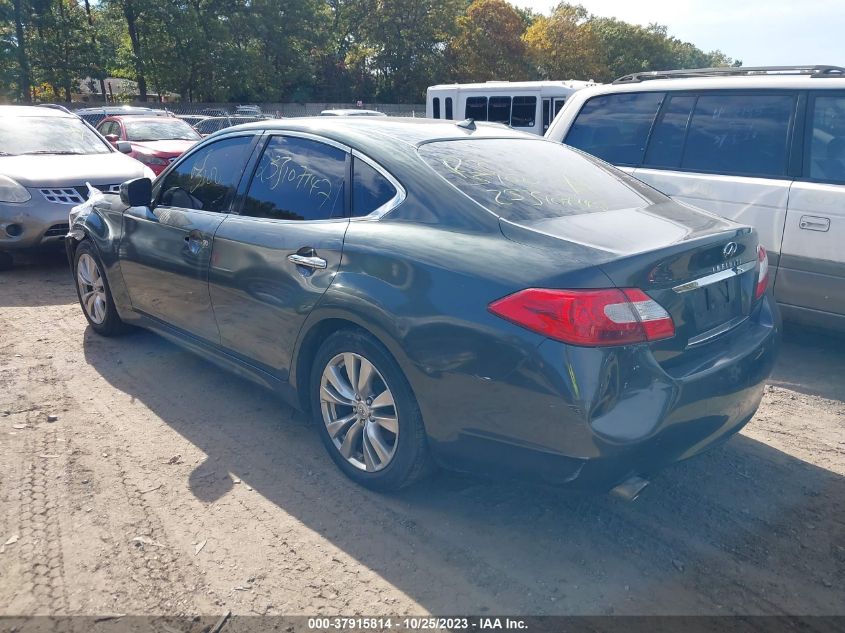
<point x="385" y="51"/>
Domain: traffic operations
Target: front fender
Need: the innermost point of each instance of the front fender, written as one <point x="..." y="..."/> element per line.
<point x="103" y="226"/>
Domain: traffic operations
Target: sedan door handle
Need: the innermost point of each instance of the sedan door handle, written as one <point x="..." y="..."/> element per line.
<point x="196" y="242"/>
<point x="309" y="262"/>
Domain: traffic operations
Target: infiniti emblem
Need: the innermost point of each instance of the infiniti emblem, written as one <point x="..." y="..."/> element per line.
<point x="730" y="250"/>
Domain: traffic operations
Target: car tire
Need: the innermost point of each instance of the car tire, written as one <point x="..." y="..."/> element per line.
<point x="373" y="432"/>
<point x="94" y="293"/>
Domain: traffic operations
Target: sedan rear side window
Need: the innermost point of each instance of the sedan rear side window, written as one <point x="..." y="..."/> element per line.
<point x="298" y="179"/>
<point x="206" y="179"/>
<point x="530" y="180"/>
<point x="615" y="127"/>
<point x="370" y="190"/>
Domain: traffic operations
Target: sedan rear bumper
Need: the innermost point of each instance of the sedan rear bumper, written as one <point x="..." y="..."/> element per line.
<point x="593" y="417"/>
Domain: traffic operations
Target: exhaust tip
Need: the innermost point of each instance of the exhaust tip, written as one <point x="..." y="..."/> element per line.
<point x="630" y="489"/>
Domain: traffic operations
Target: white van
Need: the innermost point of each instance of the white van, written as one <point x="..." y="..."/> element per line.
<point x="764" y="146"/>
<point x="528" y="106"/>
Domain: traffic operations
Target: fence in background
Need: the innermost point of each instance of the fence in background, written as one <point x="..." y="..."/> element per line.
<point x="269" y="109"/>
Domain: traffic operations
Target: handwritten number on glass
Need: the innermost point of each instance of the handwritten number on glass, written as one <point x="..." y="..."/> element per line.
<point x="278" y="170"/>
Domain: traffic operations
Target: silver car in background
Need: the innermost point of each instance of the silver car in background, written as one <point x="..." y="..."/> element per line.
<point x="46" y="158"/>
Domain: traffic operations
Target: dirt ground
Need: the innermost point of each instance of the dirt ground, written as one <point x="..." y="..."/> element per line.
<point x="168" y="486"/>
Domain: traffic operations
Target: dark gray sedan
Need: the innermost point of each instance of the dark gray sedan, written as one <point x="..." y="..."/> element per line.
<point x="444" y="293"/>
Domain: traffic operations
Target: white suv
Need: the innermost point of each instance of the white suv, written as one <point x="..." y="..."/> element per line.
<point x="764" y="146"/>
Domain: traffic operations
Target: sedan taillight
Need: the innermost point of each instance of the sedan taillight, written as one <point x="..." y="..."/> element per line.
<point x="608" y="316"/>
<point x="763" y="272"/>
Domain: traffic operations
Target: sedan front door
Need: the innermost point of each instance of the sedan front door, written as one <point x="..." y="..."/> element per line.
<point x="165" y="250"/>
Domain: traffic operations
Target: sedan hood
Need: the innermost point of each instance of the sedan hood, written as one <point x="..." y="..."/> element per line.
<point x="172" y="147"/>
<point x="46" y="170"/>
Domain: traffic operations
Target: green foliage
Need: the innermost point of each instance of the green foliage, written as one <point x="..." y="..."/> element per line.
<point x="324" y="50"/>
<point x="488" y="44"/>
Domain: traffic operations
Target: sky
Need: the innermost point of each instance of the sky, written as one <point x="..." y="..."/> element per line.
<point x="759" y="32"/>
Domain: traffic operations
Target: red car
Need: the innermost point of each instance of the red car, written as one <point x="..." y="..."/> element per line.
<point x="156" y="141"/>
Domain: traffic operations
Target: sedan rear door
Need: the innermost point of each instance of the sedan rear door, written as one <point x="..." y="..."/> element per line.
<point x="277" y="256"/>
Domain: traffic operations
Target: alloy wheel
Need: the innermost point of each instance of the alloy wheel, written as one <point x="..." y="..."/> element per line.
<point x="359" y="412"/>
<point x="92" y="291"/>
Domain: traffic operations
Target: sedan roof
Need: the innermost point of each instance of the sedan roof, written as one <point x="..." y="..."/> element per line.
<point x="369" y="132"/>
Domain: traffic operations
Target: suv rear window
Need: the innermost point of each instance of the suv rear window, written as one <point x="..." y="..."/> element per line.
<point x="523" y="180"/>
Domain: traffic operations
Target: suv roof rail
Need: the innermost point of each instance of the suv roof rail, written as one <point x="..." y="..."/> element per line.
<point x="733" y="71"/>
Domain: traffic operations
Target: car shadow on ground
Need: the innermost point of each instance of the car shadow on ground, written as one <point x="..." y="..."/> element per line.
<point x="744" y="528"/>
<point x="39" y="268"/>
<point x="812" y="362"/>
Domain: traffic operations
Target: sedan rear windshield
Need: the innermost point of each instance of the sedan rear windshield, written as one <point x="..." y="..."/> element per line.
<point x="164" y="130"/>
<point x="48" y="135"/>
<point x="523" y="179"/>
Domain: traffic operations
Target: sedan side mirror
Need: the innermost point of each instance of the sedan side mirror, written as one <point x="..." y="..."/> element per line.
<point x="137" y="192"/>
<point x="124" y="147"/>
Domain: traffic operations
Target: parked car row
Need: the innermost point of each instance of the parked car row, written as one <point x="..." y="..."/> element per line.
<point x="154" y="141"/>
<point x="206" y="125"/>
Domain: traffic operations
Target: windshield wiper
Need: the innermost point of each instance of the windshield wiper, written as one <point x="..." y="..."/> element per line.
<point x="52" y="151"/>
<point x="7" y="154"/>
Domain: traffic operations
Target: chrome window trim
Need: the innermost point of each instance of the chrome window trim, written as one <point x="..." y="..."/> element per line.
<point x="309" y="136"/>
<point x="391" y="204"/>
<point x="708" y="280"/>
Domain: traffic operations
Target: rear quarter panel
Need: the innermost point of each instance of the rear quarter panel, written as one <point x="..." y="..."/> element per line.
<point x="423" y="292"/>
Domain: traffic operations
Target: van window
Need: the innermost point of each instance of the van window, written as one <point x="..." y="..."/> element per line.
<point x="739" y="134"/>
<point x="559" y="103"/>
<point x="667" y="140"/>
<point x="449" y="108"/>
<point x="524" y="111"/>
<point x="827" y="140"/>
<point x="436" y="107"/>
<point x="499" y="110"/>
<point x="615" y="127"/>
<point x="476" y="108"/>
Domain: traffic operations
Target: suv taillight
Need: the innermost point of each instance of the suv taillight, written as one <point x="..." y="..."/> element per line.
<point x="588" y="317"/>
<point x="763" y="272"/>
